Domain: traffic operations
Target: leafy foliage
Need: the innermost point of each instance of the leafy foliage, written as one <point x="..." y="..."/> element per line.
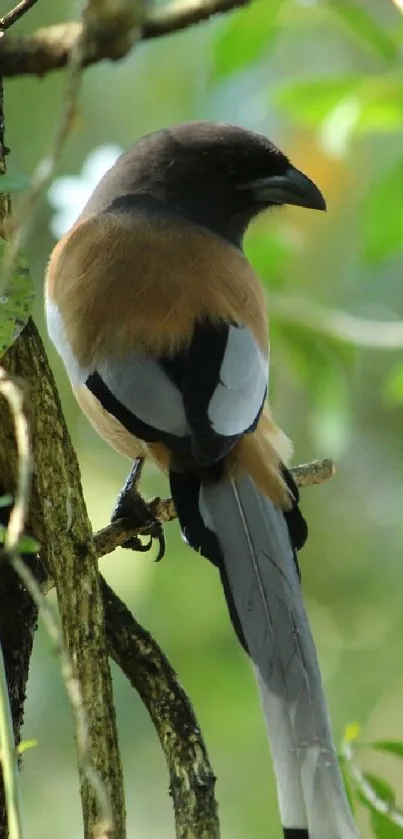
<point x="244" y="38"/>
<point x="26" y="544"/>
<point x="370" y="790"/>
<point x="362" y="24"/>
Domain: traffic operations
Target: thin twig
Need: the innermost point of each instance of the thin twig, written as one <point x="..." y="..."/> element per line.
<point x="49" y="48"/>
<point x="181" y="14"/>
<point x="361" y="332"/>
<point x="114" y="536"/>
<point x="15" y="14"/>
<point x="9" y="760"/>
<point x="45" y="168"/>
<point x="315" y="472"/>
<point x="366" y="789"/>
<point x="15" y="400"/>
<point x="163" y="509"/>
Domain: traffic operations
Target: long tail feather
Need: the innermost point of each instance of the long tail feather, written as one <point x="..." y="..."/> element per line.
<point x="263" y="580"/>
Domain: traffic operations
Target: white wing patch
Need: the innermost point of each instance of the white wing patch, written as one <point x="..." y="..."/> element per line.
<point x="57" y="333"/>
<point x="138" y="383"/>
<point x="141" y="385"/>
<point x="238" y="397"/>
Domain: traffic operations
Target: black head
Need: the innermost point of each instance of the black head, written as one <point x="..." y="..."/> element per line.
<point x="215" y="174"/>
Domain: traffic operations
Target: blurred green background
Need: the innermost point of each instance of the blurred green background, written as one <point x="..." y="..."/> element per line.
<point x="325" y="81"/>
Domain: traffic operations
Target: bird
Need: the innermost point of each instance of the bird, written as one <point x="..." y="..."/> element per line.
<point x="162" y="325"/>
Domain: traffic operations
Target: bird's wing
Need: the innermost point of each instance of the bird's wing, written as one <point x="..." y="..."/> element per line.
<point x="205" y="397"/>
<point x="166" y="328"/>
<point x="224" y="387"/>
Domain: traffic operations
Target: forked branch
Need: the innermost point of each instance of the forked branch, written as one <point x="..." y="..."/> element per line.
<point x="49" y="49"/>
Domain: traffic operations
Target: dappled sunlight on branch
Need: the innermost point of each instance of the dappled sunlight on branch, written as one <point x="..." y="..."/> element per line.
<point x="49" y="49"/>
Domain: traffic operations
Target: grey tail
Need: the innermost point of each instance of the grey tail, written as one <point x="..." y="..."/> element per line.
<point x="246" y="536"/>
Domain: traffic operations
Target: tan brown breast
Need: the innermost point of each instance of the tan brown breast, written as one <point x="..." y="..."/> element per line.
<point x="125" y="283"/>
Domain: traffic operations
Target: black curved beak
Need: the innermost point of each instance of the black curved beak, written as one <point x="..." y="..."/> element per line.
<point x="293" y="187"/>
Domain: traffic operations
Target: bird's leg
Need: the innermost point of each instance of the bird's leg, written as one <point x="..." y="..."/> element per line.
<point x="131" y="506"/>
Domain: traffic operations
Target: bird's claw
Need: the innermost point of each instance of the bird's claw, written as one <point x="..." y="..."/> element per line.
<point x="131" y="506"/>
<point x="155" y="531"/>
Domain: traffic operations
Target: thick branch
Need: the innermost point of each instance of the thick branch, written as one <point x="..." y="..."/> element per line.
<point x="18" y="613"/>
<point x="49" y="49"/>
<point x="191" y="777"/>
<point x="58" y="519"/>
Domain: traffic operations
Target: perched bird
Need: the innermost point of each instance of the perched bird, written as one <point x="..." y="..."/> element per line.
<point x="162" y="325"/>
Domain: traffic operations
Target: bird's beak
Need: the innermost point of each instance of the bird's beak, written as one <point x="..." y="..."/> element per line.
<point x="293" y="187"/>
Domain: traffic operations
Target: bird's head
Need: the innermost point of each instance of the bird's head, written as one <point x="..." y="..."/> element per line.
<point x="217" y="175"/>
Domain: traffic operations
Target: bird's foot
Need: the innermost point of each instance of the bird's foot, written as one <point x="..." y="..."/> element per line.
<point x="137" y="514"/>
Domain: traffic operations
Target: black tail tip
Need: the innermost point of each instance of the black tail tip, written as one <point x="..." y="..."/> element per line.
<point x="295" y="833"/>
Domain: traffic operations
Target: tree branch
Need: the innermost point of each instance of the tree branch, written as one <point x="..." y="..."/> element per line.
<point x="191" y="778"/>
<point x="163" y="510"/>
<point x="18" y="612"/>
<point x="49" y="49"/>
<point x="184" y="13"/>
<point x="14" y="396"/>
<point x="15" y="14"/>
<point x="69" y="558"/>
<point x="44" y="170"/>
<point x="144" y="664"/>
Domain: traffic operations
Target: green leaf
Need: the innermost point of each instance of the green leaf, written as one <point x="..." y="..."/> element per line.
<point x="383" y="827"/>
<point x="6" y="500"/>
<point x="313" y="100"/>
<point x="13" y="182"/>
<point x="394" y="747"/>
<point x="244" y="37"/>
<point x="383" y="216"/>
<point x="16" y="302"/>
<point x="380" y="788"/>
<point x="28" y="545"/>
<point x="366" y="28"/>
